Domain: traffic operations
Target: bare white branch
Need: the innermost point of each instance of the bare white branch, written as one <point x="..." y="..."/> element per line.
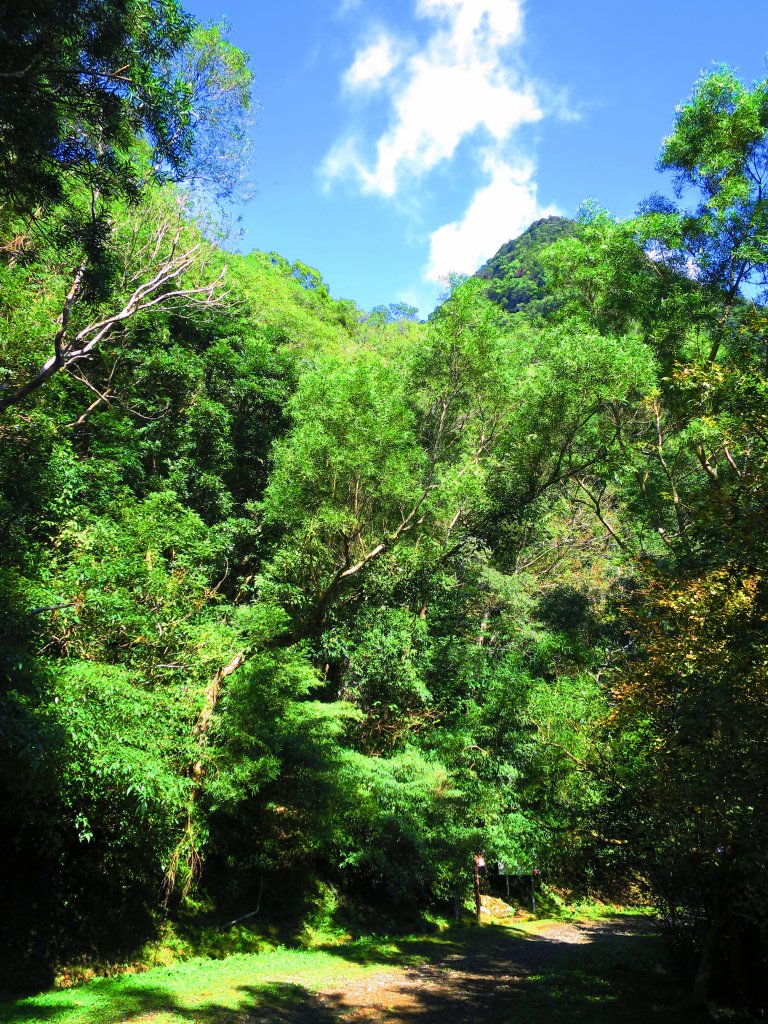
<point x="156" y="270"/>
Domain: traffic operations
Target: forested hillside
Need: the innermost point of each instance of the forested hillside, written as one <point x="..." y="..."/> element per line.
<point x="299" y="599"/>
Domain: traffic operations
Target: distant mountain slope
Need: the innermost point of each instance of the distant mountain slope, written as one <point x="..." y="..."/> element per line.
<point x="514" y="274"/>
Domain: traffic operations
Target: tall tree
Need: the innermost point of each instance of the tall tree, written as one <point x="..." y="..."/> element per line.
<point x="719" y="149"/>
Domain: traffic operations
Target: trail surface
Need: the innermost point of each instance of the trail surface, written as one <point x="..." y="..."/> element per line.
<point x="596" y="972"/>
<point x="614" y="971"/>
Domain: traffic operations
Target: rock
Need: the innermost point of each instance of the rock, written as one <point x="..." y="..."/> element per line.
<point x="495" y="907"/>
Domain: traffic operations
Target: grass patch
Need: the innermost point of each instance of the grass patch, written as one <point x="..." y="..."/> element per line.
<point x="199" y="991"/>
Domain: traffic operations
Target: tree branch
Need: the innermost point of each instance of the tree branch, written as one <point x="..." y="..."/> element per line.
<point x="150" y="293"/>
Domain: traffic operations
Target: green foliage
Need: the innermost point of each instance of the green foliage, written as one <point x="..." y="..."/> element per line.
<point x="85" y="89"/>
<point x="79" y="85"/>
<point x="118" y="771"/>
<point x="395" y="312"/>
<point x="515" y="274"/>
<point x="301" y="600"/>
<point x="719" y="148"/>
<point x="217" y="82"/>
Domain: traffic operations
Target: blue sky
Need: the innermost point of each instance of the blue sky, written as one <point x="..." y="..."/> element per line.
<point x="397" y="142"/>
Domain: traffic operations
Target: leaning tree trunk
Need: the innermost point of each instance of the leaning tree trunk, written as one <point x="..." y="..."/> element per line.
<point x="186" y="852"/>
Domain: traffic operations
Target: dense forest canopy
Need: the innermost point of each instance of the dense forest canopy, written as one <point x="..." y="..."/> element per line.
<point x="298" y="595"/>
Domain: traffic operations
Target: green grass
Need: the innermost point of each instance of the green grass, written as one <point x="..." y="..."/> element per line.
<point x="194" y="991"/>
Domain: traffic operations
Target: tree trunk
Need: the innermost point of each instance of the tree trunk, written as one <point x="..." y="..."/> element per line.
<point x="700" y="991"/>
<point x="203" y="722"/>
<point x="186" y="851"/>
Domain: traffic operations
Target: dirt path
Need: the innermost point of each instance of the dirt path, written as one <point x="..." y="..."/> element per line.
<point x="469" y="984"/>
<point x="598" y="972"/>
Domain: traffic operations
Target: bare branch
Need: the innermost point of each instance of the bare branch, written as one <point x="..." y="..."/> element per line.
<point x="732" y="462"/>
<point x="594" y="503"/>
<point x="155" y="273"/>
<point x="94" y="405"/>
<point x="52" y="607"/>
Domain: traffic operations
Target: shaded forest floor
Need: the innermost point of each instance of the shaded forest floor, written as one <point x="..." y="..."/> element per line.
<point x="543" y="971"/>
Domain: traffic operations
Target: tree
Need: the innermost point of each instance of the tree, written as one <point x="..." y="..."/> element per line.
<point x="719" y="148"/>
<point x="691" y="700"/>
<point x="386" y="446"/>
<point x="689" y="492"/>
<point x="80" y="84"/>
<point x="394" y="313"/>
<point x="218" y="83"/>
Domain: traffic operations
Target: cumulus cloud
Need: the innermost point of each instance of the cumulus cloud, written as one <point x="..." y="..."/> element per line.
<point x="498" y="211"/>
<point x="372" y="65"/>
<point x="458" y="83"/>
<point x="449" y="90"/>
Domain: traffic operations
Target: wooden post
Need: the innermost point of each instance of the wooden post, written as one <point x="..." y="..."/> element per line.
<point x="478" y="860"/>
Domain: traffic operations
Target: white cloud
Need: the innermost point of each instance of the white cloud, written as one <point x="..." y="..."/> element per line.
<point x="372" y="65"/>
<point x="498" y="211"/>
<point x="494" y="22"/>
<point x="460" y="82"/>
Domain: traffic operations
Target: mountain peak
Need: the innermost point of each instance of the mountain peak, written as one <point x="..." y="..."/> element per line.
<point x="514" y="274"/>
